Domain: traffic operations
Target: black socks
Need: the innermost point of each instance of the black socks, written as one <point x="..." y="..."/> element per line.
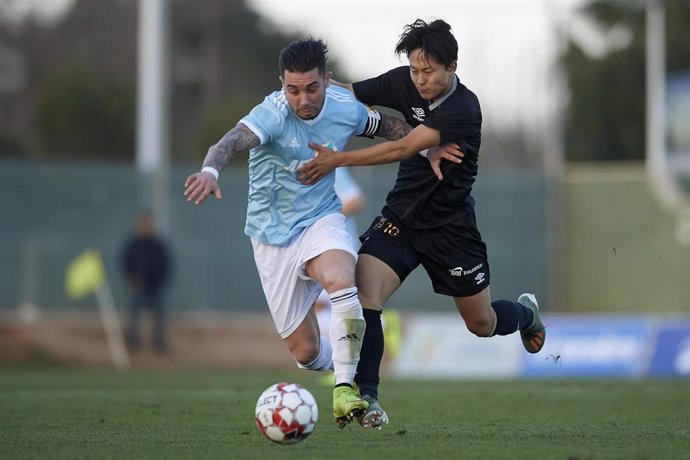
<point x="510" y="316"/>
<point x="370" y="357"/>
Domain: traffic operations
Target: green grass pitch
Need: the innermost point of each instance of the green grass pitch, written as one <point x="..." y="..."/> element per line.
<point x="54" y="413"/>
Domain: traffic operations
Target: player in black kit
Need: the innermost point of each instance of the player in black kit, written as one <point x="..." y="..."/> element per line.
<point x="429" y="215"/>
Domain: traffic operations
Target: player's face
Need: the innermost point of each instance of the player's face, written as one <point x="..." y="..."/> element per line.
<point x="305" y="92"/>
<point x="431" y="78"/>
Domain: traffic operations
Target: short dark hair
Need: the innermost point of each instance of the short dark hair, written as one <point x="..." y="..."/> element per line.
<point x="303" y="55"/>
<point x="434" y="39"/>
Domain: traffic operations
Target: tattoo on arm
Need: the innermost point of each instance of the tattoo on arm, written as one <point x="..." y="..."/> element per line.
<point x="393" y="128"/>
<point x="239" y="139"/>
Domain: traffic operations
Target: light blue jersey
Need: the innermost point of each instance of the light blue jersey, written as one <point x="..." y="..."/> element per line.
<point x="280" y="206"/>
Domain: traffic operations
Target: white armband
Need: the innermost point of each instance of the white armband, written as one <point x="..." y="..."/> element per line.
<point x="424" y="153"/>
<point x="211" y="170"/>
<point x="373" y="123"/>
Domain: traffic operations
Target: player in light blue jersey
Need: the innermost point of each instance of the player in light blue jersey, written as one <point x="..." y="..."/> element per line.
<point x="280" y="206"/>
<point x="297" y="231"/>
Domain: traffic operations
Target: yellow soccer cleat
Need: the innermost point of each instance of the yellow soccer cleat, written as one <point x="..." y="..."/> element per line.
<point x="347" y="405"/>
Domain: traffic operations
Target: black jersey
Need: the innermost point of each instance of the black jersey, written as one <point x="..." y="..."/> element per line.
<point x="419" y="200"/>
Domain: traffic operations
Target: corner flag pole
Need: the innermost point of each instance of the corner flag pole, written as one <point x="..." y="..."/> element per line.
<point x="86" y="274"/>
<point x="112" y="326"/>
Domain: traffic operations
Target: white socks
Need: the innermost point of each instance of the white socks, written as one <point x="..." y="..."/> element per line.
<point x="346" y="333"/>
<point x="324" y="361"/>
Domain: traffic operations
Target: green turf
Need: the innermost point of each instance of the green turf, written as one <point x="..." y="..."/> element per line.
<point x="87" y="414"/>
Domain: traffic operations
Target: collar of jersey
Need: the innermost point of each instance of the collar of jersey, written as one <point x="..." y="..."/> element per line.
<point x="438" y="102"/>
<point x="318" y="117"/>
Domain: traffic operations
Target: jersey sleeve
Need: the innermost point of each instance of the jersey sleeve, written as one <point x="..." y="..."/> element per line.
<point x="381" y="90"/>
<point x="372" y="121"/>
<point x="366" y="120"/>
<point x="266" y="119"/>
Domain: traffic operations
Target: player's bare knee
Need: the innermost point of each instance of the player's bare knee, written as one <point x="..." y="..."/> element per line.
<point x="338" y="282"/>
<point x="372" y="302"/>
<point x="305" y="355"/>
<point x="480" y="327"/>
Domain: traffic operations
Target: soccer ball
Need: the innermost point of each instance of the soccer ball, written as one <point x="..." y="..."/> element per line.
<point x="286" y="413"/>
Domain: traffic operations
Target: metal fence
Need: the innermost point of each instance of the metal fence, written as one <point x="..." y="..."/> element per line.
<point x="52" y="211"/>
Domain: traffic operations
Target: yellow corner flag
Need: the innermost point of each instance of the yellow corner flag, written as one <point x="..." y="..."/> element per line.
<point x="85" y="274"/>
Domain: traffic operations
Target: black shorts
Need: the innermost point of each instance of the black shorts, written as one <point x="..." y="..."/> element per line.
<point x="454" y="255"/>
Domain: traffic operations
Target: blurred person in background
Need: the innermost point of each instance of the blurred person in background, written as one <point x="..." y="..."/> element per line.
<point x="298" y="233"/>
<point x="146" y="263"/>
<point x="429" y="215"/>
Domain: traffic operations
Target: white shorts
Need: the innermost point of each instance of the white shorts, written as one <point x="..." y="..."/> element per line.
<point x="289" y="290"/>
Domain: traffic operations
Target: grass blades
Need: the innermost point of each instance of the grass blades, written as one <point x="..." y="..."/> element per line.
<point x="54" y="413"/>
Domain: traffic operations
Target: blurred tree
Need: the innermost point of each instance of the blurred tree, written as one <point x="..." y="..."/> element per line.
<point x="11" y="147"/>
<point x="79" y="115"/>
<point x="79" y="75"/>
<point x="224" y="60"/>
<point x="605" y="119"/>
<point x="218" y="121"/>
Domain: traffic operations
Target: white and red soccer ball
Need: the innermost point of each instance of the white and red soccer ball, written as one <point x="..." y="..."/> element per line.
<point x="286" y="413"/>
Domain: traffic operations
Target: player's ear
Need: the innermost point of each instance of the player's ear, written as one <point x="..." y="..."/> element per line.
<point x="327" y="78"/>
<point x="453" y="66"/>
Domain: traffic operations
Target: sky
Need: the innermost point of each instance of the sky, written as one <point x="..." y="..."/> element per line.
<point x="507" y="48"/>
<point x="44" y="9"/>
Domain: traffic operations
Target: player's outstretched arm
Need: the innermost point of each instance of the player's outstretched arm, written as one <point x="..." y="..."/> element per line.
<point x="325" y="161"/>
<point x="239" y="139"/>
<point x="392" y="127"/>
<point x="200" y="185"/>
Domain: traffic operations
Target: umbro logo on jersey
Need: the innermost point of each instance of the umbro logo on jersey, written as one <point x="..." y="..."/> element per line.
<point x="349" y="338"/>
<point x="418" y="113"/>
<point x="294" y="143"/>
<point x="479" y="278"/>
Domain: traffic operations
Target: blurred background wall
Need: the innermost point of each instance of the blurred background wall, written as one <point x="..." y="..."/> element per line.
<point x="69" y="208"/>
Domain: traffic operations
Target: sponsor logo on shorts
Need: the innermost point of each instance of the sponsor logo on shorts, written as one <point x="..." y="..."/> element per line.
<point x="458" y="271"/>
<point x="387" y="227"/>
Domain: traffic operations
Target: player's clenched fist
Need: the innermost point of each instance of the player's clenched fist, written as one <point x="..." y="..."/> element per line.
<point x="200" y="185"/>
